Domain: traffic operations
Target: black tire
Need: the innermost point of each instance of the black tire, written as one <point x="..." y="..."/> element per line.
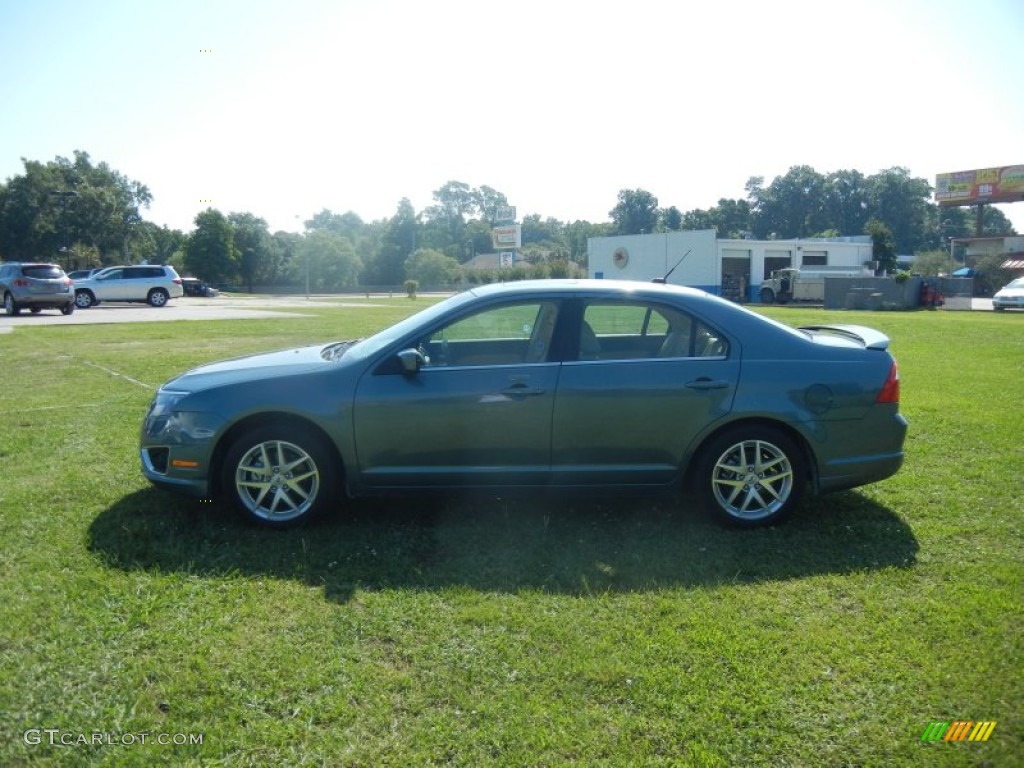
<point x="36" y="310"/>
<point x="158" y="297"/>
<point x="280" y="475"/>
<point x="85" y="299"/>
<point x="10" y="305"/>
<point x="68" y="309"/>
<point x="767" y="296"/>
<point x="750" y="476"/>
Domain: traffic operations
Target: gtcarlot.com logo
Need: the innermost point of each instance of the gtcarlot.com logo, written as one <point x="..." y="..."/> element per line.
<point x="958" y="730"/>
<point x="55" y="737"/>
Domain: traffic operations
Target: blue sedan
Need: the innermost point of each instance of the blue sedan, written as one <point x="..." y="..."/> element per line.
<point x="540" y="384"/>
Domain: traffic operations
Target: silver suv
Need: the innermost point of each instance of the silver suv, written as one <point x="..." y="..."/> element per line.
<point x="151" y="283"/>
<point x="35" y="287"/>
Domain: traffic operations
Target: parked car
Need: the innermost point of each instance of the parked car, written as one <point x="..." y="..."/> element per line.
<point x="35" y="287"/>
<point x="193" y="286"/>
<point x="153" y="284"/>
<point x="1010" y="296"/>
<point x="538" y="384"/>
<point x="82" y="274"/>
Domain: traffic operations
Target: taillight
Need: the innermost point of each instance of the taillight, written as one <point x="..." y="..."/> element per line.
<point x="891" y="389"/>
<point x="177" y="280"/>
<point x="21" y="283"/>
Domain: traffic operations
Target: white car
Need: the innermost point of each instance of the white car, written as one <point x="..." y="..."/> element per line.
<point x="1010" y="296"/>
<point x="151" y="283"/>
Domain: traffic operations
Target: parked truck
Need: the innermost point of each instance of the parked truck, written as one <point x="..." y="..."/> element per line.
<point x="791" y="284"/>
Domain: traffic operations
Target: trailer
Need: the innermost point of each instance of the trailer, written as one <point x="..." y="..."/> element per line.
<point x="791" y="284"/>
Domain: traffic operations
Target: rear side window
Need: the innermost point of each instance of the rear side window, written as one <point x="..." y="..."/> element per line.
<point x="43" y="272"/>
<point x="631" y="330"/>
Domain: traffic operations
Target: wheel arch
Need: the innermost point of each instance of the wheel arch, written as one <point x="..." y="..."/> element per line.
<point x="810" y="460"/>
<point x="257" y="421"/>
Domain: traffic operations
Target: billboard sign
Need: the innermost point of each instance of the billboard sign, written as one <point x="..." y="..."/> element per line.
<point x="507" y="237"/>
<point x="988" y="185"/>
<point x="506" y="214"/>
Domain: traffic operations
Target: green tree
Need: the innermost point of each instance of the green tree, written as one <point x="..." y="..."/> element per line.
<point x="286" y="256"/>
<point x="430" y="267"/>
<point x="58" y="204"/>
<point x="635" y="213"/>
<point x="883" y="246"/>
<point x="331" y="259"/>
<point x="902" y="202"/>
<point x="254" y="246"/>
<point x="672" y="219"/>
<point x="791" y="206"/>
<point x="210" y="253"/>
<point x="386" y="267"/>
<point x="931" y="263"/>
<point x="488" y="201"/>
<point x="446" y="219"/>
<point x="846" y="201"/>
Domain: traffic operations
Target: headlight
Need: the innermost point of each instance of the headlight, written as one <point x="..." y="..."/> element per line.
<point x="164" y="403"/>
<point x="166" y="424"/>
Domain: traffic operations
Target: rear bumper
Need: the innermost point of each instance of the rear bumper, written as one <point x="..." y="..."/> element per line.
<point x="45" y="302"/>
<point x="874" y="452"/>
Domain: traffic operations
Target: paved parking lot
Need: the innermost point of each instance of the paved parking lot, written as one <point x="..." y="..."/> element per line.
<point x="219" y="308"/>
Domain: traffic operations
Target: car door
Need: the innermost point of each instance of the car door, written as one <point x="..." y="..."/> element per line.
<point x="110" y="285"/>
<point x="647" y="378"/>
<point x="476" y="413"/>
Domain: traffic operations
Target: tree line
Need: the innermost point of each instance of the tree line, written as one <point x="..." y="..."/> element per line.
<point x="82" y="214"/>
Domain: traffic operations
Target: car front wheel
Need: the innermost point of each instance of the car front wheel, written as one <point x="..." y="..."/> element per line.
<point x="157" y="297"/>
<point x="750" y="476"/>
<point x="767" y="296"/>
<point x="84" y="299"/>
<point x="10" y="306"/>
<point x="280" y="476"/>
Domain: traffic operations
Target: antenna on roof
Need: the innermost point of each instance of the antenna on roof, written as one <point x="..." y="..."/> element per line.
<point x="662" y="280"/>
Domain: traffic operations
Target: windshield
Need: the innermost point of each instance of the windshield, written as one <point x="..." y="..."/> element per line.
<point x="388" y="336"/>
<point x="1018" y="283"/>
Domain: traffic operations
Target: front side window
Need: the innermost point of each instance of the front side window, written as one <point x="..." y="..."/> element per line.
<point x="511" y="334"/>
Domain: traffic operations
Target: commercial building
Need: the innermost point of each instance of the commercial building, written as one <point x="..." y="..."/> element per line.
<point x="730" y="268"/>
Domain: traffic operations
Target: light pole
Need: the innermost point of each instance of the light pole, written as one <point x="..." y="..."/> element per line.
<point x="307" y="263"/>
<point x="65" y="197"/>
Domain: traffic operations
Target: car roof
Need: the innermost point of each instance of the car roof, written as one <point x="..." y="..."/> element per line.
<point x="588" y="286"/>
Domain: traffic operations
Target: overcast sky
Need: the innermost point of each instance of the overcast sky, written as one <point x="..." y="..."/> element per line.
<point x="285" y="108"/>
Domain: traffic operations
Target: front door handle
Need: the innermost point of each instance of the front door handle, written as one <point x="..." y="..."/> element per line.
<point x="521" y="390"/>
<point x="706" y="383"/>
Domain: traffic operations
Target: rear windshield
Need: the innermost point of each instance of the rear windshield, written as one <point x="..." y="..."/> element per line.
<point x="43" y="272"/>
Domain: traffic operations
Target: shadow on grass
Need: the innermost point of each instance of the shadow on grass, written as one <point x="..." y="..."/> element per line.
<point x="570" y="545"/>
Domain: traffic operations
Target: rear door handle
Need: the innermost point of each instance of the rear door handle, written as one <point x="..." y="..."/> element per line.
<point x="706" y="383"/>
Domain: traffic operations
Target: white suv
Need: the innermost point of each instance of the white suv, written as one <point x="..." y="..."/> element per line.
<point x="147" y="282"/>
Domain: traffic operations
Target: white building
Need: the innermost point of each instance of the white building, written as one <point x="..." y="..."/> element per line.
<point x="732" y="268"/>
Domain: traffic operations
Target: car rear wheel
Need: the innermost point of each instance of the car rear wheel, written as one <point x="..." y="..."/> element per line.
<point x="68" y="309"/>
<point x="10" y="306"/>
<point x="280" y="476"/>
<point x="750" y="476"/>
<point x="84" y="299"/>
<point x="157" y="297"/>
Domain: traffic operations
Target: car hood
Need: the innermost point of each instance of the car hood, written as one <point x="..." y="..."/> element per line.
<point x="270" y="365"/>
<point x="1009" y="293"/>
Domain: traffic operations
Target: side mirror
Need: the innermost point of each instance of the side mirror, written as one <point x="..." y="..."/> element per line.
<point x="412" y="360"/>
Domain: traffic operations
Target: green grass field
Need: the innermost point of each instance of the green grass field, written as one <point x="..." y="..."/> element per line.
<point x="514" y="631"/>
